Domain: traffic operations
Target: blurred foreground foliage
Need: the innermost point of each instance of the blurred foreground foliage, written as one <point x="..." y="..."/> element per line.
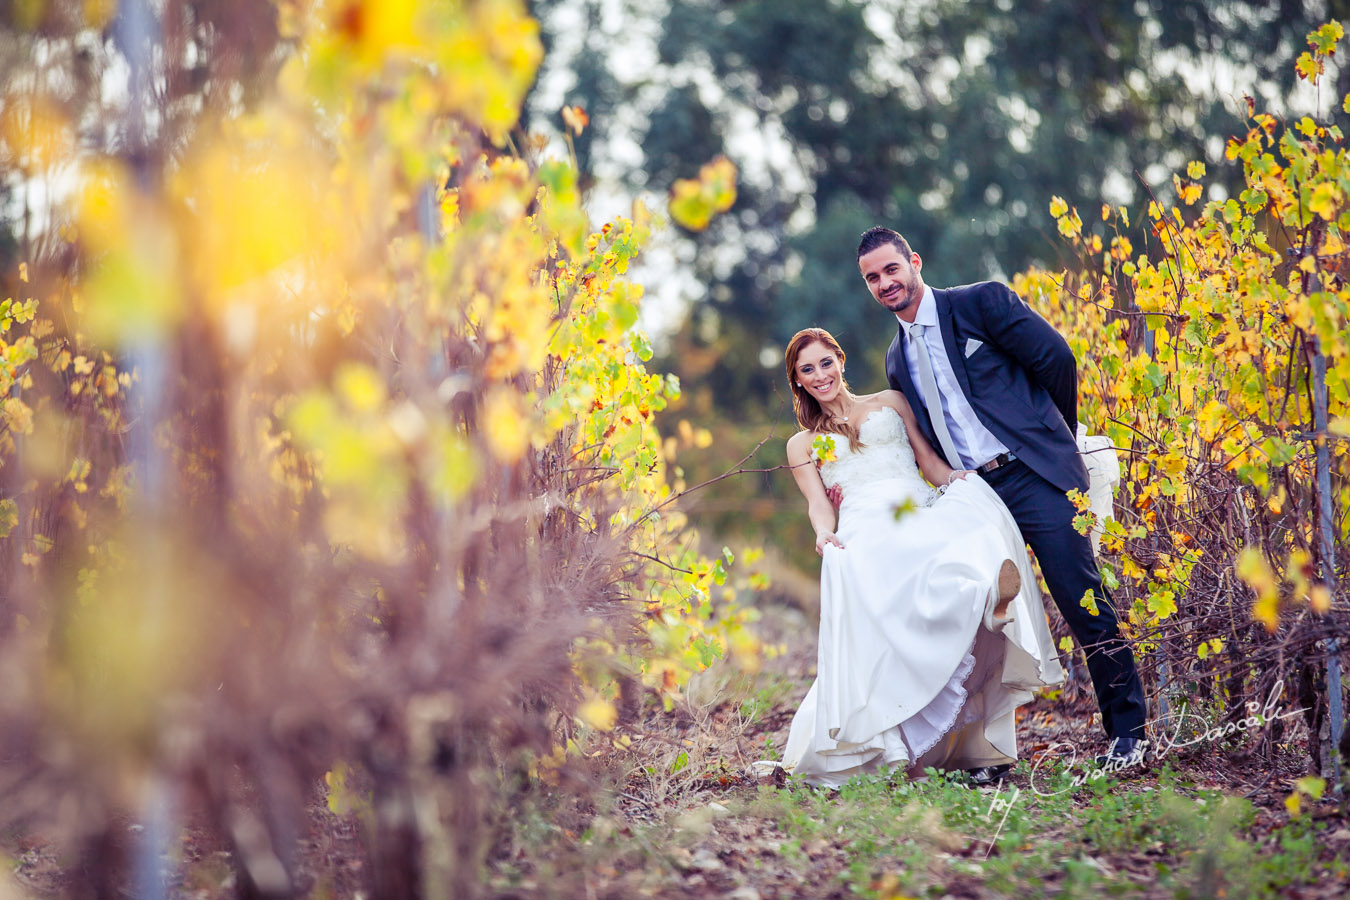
<point x="326" y="440"/>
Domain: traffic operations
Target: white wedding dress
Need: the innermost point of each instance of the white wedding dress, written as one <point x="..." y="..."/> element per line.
<point x="913" y="668"/>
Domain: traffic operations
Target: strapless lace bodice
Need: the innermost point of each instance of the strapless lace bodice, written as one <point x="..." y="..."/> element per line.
<point x="884" y="456"/>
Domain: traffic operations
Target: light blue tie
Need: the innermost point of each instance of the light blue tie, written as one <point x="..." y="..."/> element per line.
<point x="932" y="398"/>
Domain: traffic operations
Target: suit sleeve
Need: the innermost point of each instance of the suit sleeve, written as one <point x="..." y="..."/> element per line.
<point x="1022" y="334"/>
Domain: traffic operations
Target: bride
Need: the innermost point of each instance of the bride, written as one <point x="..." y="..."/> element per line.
<point x="932" y="630"/>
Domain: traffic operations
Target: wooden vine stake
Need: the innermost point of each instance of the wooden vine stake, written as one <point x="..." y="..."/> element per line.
<point x="1330" y="735"/>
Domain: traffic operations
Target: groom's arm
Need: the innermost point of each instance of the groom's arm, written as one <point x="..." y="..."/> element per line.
<point x="931" y="466"/>
<point x="1022" y="334"/>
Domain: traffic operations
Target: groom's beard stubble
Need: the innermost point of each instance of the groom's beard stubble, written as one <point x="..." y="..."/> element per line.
<point x="903" y="298"/>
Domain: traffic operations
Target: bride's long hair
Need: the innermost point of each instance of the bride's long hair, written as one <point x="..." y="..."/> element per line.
<point x="809" y="413"/>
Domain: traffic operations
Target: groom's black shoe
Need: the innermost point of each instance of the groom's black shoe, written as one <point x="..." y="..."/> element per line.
<point x="1123" y="753"/>
<point x="986" y="775"/>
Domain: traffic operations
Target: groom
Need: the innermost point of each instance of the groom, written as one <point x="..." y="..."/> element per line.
<point x="1000" y="388"/>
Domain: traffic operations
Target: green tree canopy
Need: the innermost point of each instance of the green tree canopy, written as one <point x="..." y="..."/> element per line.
<point x="954" y="121"/>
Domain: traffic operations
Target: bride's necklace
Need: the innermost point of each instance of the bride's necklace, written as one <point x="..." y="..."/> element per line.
<point x="843" y="418"/>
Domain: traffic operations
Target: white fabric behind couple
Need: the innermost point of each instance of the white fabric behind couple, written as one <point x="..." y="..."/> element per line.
<point x="1103" y="468"/>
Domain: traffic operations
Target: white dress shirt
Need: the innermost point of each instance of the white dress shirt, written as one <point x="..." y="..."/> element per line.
<point x="974" y="442"/>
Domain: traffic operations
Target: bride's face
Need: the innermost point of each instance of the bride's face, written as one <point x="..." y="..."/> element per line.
<point x="819" y="371"/>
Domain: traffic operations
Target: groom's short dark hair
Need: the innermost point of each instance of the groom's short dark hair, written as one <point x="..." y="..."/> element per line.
<point x="879" y="236"/>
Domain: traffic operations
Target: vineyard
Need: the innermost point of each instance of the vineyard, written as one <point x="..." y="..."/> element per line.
<point x="339" y="495"/>
<point x="328" y="449"/>
<point x="1220" y="365"/>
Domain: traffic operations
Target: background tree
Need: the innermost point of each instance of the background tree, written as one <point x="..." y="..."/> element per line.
<point x="952" y="121"/>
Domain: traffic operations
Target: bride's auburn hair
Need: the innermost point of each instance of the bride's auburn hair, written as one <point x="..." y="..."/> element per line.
<point x="810" y="416"/>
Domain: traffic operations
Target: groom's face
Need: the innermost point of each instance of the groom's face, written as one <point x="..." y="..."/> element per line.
<point x="893" y="279"/>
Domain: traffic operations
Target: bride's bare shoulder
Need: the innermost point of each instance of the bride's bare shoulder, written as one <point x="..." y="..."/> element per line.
<point x="894" y="399"/>
<point x="799" y="446"/>
<point x="872" y="401"/>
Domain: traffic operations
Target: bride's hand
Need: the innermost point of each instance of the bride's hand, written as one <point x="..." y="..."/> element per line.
<point x="827" y="537"/>
<point x="958" y="473"/>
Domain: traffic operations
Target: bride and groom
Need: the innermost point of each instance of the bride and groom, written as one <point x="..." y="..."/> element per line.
<point x="932" y="630"/>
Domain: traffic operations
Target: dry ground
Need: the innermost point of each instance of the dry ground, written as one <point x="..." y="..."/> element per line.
<point x="678" y="813"/>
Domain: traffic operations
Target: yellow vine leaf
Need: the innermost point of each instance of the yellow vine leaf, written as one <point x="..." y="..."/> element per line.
<point x="1309" y="786"/>
<point x="598" y="713"/>
<point x="1252" y="568"/>
<point x="504" y="425"/>
<point x="9" y="516"/>
<point x="360" y="386"/>
<point x="694" y="202"/>
<point x="18" y="417"/>
<point x="1325" y="38"/>
<point x="1070" y="225"/>
<point x="575" y="118"/>
<point x="823" y="449"/>
<point x="1326" y="198"/>
<point x="1309" y="68"/>
<point x="1163" y="604"/>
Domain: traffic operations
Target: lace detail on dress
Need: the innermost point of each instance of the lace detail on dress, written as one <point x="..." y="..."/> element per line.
<point x="947" y="710"/>
<point x="885" y="454"/>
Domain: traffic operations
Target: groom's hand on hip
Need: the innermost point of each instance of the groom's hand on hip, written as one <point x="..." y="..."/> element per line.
<point x="836" y="495"/>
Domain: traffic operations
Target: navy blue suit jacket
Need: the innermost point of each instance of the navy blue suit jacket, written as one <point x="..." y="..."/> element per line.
<point x="1021" y="380"/>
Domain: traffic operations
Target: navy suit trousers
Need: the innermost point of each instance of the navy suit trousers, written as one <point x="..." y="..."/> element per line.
<point x="1045" y="516"/>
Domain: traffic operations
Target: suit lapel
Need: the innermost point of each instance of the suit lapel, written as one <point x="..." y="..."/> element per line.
<point x="902" y="368"/>
<point x="954" y="354"/>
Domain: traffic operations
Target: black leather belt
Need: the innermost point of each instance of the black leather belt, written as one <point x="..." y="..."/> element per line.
<point x="1001" y="460"/>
